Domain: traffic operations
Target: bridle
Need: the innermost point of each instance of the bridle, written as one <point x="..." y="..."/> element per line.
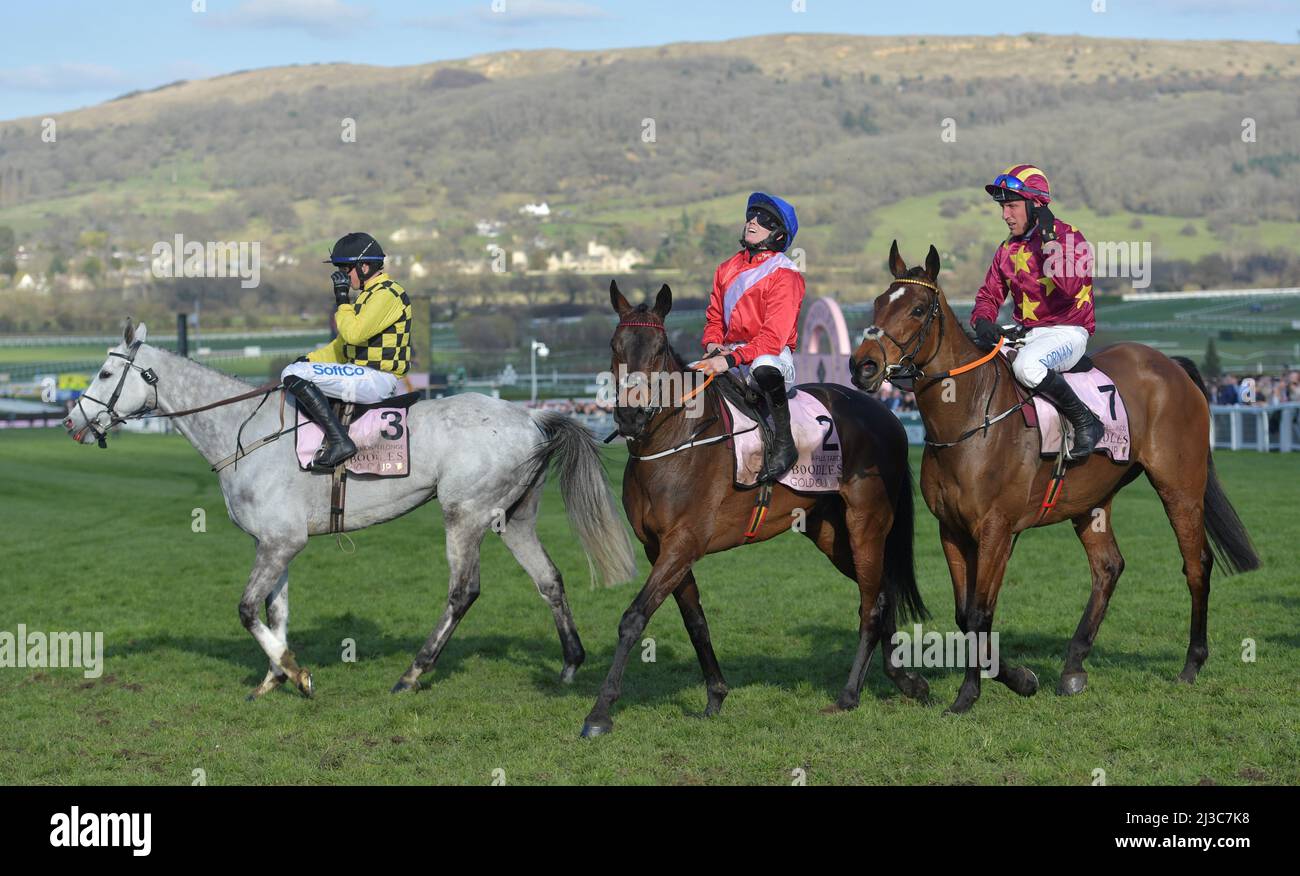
<point x="109" y="407"/>
<point x="907" y="368"/>
<point x="653" y="411"/>
<point x="150" y="377"/>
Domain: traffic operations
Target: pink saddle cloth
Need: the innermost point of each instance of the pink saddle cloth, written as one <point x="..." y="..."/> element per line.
<point x="820" y="467"/>
<point x="381" y="436"/>
<point x="1099" y="393"/>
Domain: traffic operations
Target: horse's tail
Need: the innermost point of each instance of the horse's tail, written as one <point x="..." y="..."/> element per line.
<point x="900" y="559"/>
<point x="1228" y="535"/>
<point x="588" y="498"/>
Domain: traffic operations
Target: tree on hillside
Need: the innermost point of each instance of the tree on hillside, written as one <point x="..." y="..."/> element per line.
<point x="1211" y="367"/>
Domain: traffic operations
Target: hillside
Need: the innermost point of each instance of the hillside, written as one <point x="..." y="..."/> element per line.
<point x="1145" y="135"/>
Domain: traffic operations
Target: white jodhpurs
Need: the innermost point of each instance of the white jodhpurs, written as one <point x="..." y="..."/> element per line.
<point x="351" y="383"/>
<point x="784" y="362"/>
<point x="1058" y="347"/>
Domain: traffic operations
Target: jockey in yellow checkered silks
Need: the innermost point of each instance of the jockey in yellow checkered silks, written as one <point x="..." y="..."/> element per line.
<point x="372" y="349"/>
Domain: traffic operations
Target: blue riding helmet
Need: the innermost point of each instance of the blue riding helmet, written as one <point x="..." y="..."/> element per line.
<point x="783" y="208"/>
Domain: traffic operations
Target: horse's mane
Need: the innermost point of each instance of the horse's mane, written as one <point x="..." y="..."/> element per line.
<point x="195" y="362"/>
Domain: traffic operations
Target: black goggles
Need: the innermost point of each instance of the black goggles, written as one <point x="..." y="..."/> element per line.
<point x="764" y="217"/>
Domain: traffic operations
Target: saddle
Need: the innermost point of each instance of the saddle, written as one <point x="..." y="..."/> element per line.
<point x="380" y="431"/>
<point x="1095" y="389"/>
<point x="383" y="437"/>
<point x="820" y="465"/>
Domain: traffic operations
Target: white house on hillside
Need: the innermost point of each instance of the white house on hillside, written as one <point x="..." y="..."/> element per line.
<point x="598" y="259"/>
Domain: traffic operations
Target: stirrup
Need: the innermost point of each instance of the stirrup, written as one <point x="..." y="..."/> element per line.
<point x="317" y="465"/>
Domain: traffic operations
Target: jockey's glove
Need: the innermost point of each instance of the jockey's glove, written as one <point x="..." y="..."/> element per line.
<point x="986" y="334"/>
<point x="341" y="287"/>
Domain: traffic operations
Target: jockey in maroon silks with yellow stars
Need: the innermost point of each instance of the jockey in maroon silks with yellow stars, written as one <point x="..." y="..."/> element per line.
<point x="751" y="323"/>
<point x="1046" y="265"/>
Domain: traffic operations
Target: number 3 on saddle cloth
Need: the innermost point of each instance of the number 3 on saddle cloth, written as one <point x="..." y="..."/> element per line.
<point x="1095" y="389"/>
<point x="820" y="466"/>
<point x="379" y="430"/>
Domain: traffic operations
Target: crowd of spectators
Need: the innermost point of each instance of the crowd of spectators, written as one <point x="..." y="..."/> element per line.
<point x="1260" y="389"/>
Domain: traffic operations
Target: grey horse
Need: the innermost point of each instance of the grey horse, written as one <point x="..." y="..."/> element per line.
<point x="484" y="459"/>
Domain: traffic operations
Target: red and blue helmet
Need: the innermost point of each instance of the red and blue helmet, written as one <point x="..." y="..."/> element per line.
<point x="1021" y="181"/>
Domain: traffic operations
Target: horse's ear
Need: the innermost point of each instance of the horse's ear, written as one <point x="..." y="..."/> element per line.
<point x="128" y="333"/>
<point x="616" y="299"/>
<point x="897" y="266"/>
<point x="931" y="265"/>
<point x="663" y="301"/>
<point x="141" y="332"/>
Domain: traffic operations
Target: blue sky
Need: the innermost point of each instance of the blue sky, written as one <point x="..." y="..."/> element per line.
<point x="64" y="54"/>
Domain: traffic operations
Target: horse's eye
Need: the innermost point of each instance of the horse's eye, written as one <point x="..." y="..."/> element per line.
<point x="918" y="311"/>
<point x="104" y="375"/>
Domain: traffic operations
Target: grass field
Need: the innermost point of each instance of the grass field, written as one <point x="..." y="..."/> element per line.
<point x="102" y="541"/>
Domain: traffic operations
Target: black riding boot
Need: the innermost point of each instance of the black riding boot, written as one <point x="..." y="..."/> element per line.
<point x="1088" y="430"/>
<point x="783" y="453"/>
<point x="338" y="447"/>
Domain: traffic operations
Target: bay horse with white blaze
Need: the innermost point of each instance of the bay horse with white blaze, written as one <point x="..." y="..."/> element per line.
<point x="683" y="505"/>
<point x="983" y="477"/>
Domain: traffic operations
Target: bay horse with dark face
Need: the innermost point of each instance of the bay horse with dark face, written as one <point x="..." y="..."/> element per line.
<point x="683" y="504"/>
<point x="986" y="489"/>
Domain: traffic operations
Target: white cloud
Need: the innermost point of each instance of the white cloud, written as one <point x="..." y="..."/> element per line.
<point x="64" y="78"/>
<point x="320" y="18"/>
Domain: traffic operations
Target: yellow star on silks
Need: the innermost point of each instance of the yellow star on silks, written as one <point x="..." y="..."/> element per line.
<point x="1048" y="284"/>
<point x="1020" y="258"/>
<point x="1083" y="297"/>
<point x="1027" y="309"/>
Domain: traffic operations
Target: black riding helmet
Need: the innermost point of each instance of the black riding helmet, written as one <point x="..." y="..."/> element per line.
<point x="357" y="250"/>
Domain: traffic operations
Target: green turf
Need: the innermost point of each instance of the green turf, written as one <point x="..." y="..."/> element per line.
<point x="98" y="540"/>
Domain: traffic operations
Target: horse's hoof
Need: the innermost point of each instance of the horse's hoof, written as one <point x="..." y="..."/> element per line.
<point x="962" y="704"/>
<point x="591" y="729"/>
<point x="914" y="687"/>
<point x="1025" y="683"/>
<point x="305" y="685"/>
<point x="403" y="686"/>
<point x="1072" y="683"/>
<point x="567" y="674"/>
<point x="1187" y="676"/>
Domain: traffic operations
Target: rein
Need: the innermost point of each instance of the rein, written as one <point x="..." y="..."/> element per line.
<point x="694" y="440"/>
<point x="149" y="412"/>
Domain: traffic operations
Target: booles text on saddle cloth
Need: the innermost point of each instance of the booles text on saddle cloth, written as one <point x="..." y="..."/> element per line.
<point x="820" y="466"/>
<point x="381" y="436"/>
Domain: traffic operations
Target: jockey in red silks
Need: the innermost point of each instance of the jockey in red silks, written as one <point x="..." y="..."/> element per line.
<point x="751" y="323"/>
<point x="1046" y="265"/>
